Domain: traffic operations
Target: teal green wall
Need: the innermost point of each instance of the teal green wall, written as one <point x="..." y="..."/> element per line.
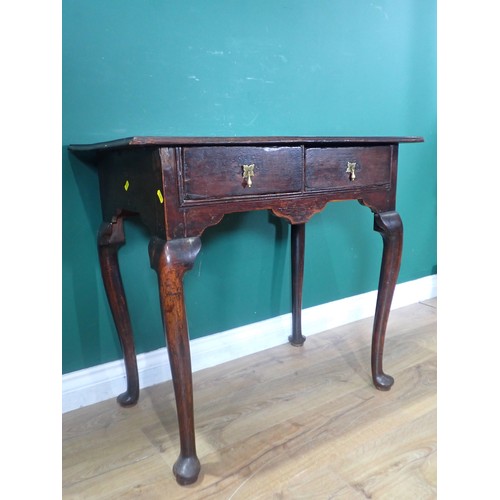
<point x="221" y="67"/>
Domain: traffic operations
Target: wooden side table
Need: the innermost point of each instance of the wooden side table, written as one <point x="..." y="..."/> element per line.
<point x="179" y="186"/>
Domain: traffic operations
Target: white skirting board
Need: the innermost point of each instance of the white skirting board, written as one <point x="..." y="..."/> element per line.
<point x="98" y="383"/>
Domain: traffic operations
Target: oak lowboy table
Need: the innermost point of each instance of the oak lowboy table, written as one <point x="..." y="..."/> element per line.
<point x="179" y="186"/>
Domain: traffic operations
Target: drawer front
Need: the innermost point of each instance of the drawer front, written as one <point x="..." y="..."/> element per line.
<point x="347" y="168"/>
<point x="234" y="171"/>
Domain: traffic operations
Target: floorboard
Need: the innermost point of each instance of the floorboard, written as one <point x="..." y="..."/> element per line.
<point x="287" y="423"/>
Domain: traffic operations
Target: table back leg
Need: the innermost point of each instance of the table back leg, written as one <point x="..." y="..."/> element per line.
<point x="298" y="232"/>
<point x="110" y="238"/>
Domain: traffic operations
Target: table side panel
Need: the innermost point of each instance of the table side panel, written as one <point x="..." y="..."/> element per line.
<point x="131" y="184"/>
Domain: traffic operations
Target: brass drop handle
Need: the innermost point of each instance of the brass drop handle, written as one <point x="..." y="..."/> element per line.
<point x="248" y="173"/>
<point x="351" y="170"/>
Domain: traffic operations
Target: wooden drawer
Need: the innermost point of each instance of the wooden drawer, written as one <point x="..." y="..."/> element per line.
<point x="218" y="171"/>
<point x="327" y="168"/>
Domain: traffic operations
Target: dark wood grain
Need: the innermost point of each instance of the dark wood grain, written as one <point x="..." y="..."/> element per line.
<point x="326" y="167"/>
<point x="216" y="171"/>
<point x="129" y="182"/>
<point x="161" y="141"/>
<point x="298" y="238"/>
<point x="110" y="238"/>
<point x="170" y="260"/>
<point x="179" y="186"/>
<point x="389" y="225"/>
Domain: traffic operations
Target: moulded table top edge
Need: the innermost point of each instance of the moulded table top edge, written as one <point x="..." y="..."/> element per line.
<point x="140" y="141"/>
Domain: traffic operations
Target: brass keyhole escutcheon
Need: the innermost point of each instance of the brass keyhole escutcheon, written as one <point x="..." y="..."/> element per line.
<point x="248" y="173"/>
<point x="351" y="170"/>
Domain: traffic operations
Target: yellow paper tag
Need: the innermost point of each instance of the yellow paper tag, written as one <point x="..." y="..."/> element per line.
<point x="160" y="196"/>
<point x="127" y="184"/>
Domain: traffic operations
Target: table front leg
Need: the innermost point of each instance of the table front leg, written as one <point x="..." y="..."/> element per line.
<point x="110" y="238"/>
<point x="170" y="260"/>
<point x="389" y="225"/>
<point x="298" y="232"/>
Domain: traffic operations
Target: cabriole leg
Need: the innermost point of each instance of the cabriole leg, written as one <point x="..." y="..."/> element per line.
<point x="389" y="225"/>
<point x="170" y="260"/>
<point x="110" y="238"/>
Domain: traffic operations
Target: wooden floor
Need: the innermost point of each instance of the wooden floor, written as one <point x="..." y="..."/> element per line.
<point x="288" y="422"/>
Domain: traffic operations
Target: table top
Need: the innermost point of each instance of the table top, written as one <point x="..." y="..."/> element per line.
<point x="141" y="141"/>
